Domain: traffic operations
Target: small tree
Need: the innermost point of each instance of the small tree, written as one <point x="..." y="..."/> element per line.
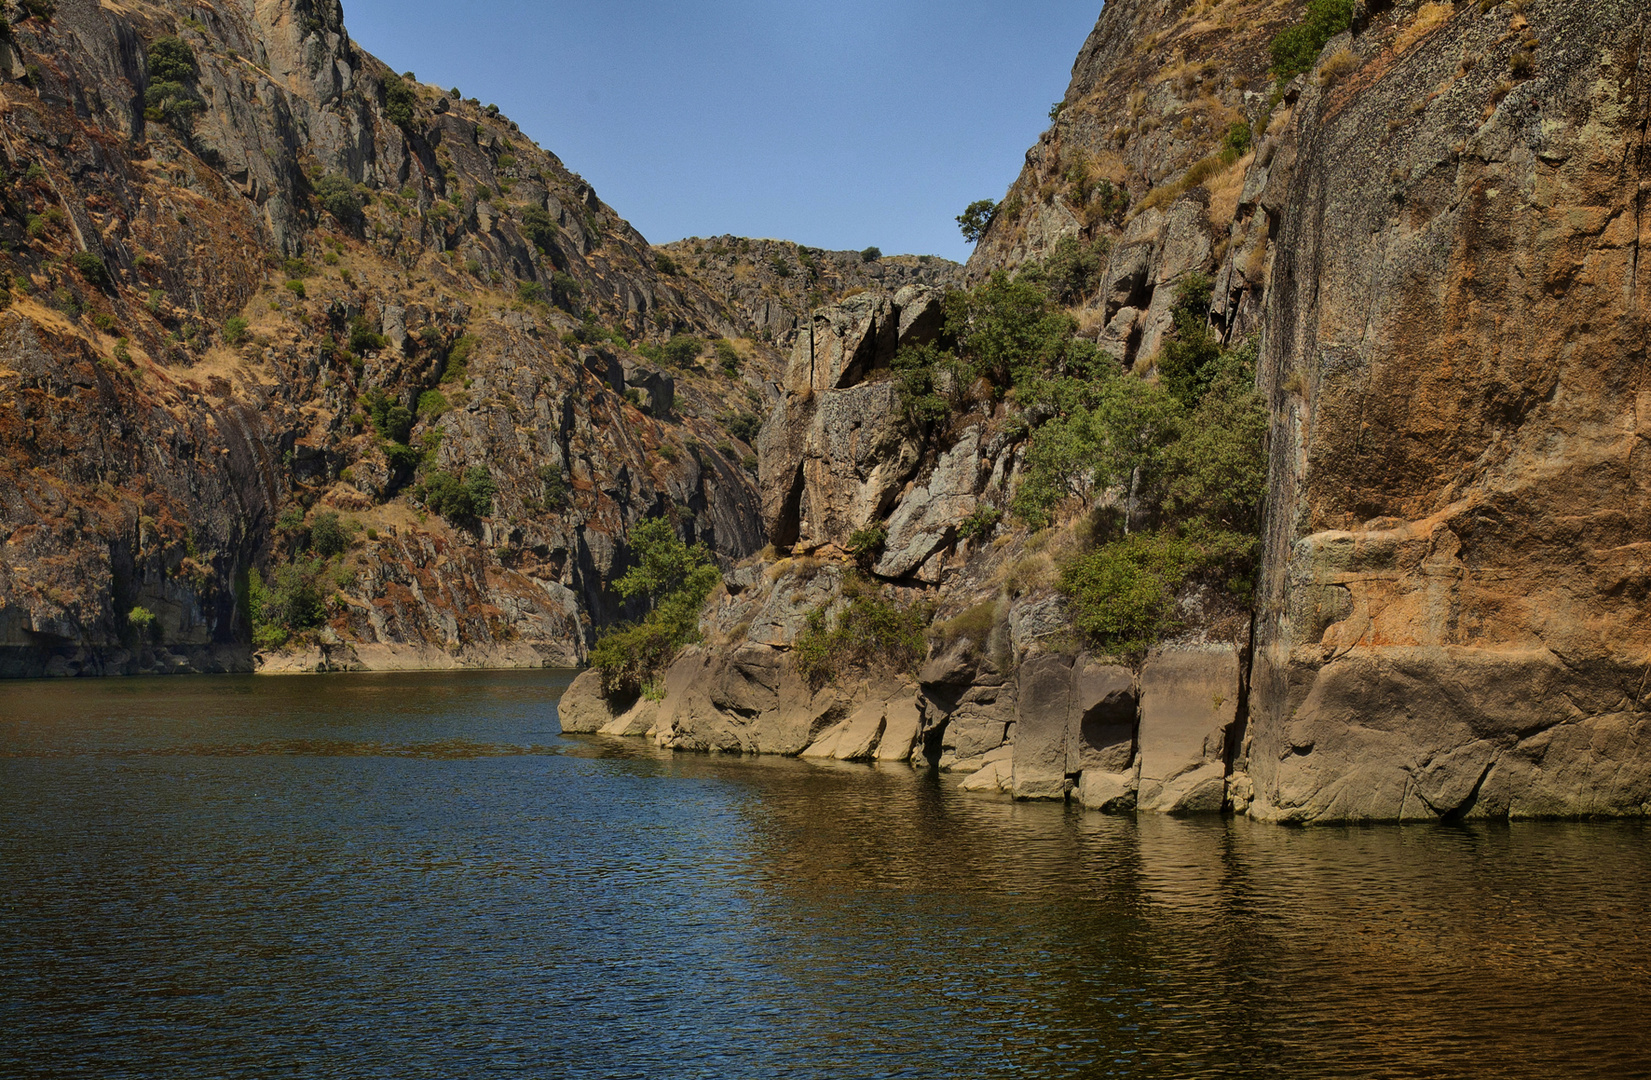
<point x="871" y="254"/>
<point x="976" y="218"/>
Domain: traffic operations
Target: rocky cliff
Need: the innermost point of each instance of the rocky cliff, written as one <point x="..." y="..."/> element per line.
<point x="1434" y="235"/>
<point x="254" y="277"/>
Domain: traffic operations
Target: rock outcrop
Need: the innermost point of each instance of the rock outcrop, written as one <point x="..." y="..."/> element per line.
<point x="1436" y="235"/>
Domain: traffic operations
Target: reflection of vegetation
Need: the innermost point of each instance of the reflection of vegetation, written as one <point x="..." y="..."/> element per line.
<point x="675" y="579"/>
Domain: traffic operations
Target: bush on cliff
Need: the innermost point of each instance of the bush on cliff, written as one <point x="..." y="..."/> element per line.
<point x="870" y="634"/>
<point x="288" y="603"/>
<point x="1296" y="47"/>
<point x="675" y="579"/>
<point x="459" y="497"/>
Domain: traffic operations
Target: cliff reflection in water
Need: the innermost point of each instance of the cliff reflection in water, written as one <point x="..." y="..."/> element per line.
<point x="415" y="876"/>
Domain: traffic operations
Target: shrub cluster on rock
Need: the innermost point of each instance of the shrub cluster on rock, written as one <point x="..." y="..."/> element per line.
<point x="674" y="579"/>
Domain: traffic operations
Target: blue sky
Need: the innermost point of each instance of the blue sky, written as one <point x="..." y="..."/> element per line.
<point x="837" y="124"/>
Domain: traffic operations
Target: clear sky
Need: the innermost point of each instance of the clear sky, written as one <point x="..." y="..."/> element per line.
<point x="835" y="123"/>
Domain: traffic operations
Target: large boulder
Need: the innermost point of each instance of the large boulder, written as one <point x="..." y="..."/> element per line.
<point x="1073" y="715"/>
<point x="1189" y="703"/>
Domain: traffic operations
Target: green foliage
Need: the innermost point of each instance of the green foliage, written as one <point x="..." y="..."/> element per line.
<point x="681" y="350"/>
<point x="340" y="197"/>
<point x="980" y="523"/>
<point x="1188" y="361"/>
<point x="172" y="103"/>
<point x="665" y="264"/>
<point x="674" y="579"/>
<point x="867" y="543"/>
<point x="531" y="292"/>
<point x="289" y="602"/>
<point x="91" y="268"/>
<point x="391" y="419"/>
<point x="1071" y="271"/>
<point x="728" y="357"/>
<point x="976" y="218"/>
<point x="363" y="338"/>
<point x="566" y="291"/>
<point x="433" y="404"/>
<point x="459" y="497"/>
<point x="1122" y="594"/>
<point x="328" y="536"/>
<point x="144" y="623"/>
<point x="1296" y="47"/>
<point x="742" y="426"/>
<point x="171" y="60"/>
<point x="557" y="489"/>
<point x="458" y="359"/>
<point x="38" y="9"/>
<point x="1009" y="331"/>
<point x="402" y="458"/>
<point x="1237" y="141"/>
<point x="540" y="229"/>
<point x="869" y="634"/>
<point x="297" y="288"/>
<point x="235" y="330"/>
<point x="400" y="100"/>
<point x="871" y="254"/>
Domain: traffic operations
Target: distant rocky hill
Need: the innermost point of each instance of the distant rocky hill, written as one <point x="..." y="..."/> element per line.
<point x="254" y="278"/>
<point x="771" y="286"/>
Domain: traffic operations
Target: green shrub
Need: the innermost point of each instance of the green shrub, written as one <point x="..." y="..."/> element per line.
<point x="1295" y="48"/>
<point x="871" y="254"/>
<point x="233" y="331"/>
<point x="90" y="267"/>
<point x="557" y="489"/>
<point x="530" y="292"/>
<point x="363" y="338"/>
<point x="869" y="634"/>
<point x="681" y="350"/>
<point x="298" y="289"/>
<point x="391" y="419"/>
<point x="38" y="9"/>
<point x="742" y="426"/>
<point x="665" y="264"/>
<point x="980" y="523"/>
<point x="1122" y="594"/>
<point x="328" y="536"/>
<point x="867" y="543"/>
<point x="1071" y="271"/>
<point x="298" y="268"/>
<point x="458" y="359"/>
<point x="433" y="404"/>
<point x="728" y="357"/>
<point x="288" y="603"/>
<point x="1187" y="363"/>
<point x="566" y="291"/>
<point x="340" y="197"/>
<point x="399" y="101"/>
<point x="459" y="497"/>
<point x="674" y="579"/>
<point x="143" y="622"/>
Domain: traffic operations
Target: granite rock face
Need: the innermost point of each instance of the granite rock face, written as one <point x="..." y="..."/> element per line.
<point x="1456" y="350"/>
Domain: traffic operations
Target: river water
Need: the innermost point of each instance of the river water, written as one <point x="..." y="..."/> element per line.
<point x="416" y="876"/>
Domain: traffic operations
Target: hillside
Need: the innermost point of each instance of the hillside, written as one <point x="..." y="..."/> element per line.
<point x="257" y="278"/>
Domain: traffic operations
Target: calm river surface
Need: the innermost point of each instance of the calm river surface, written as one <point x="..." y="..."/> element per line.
<point x="417" y="876"/>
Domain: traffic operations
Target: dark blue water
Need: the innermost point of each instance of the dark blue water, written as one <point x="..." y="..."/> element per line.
<point x="416" y="876"/>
